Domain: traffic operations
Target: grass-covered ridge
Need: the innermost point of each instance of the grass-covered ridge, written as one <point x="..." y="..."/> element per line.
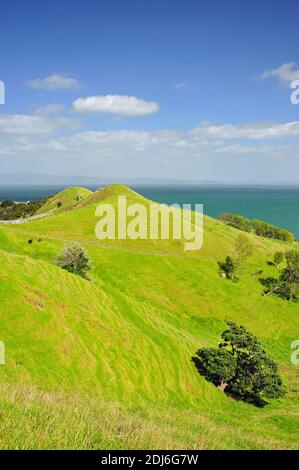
<point x="127" y="337"/>
<point x="65" y="200"/>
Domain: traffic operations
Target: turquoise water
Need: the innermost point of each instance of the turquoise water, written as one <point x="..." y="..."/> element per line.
<point x="276" y="205"/>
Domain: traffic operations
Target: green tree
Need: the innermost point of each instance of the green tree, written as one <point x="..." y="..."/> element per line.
<point x="74" y="259"/>
<point x="232" y="264"/>
<point x="290" y="275"/>
<point x="218" y="365"/>
<point x="256" y="377"/>
<point x="287" y="285"/>
<point x="228" y="267"/>
<point x="240" y="365"/>
<point x="243" y="249"/>
<point x="237" y="339"/>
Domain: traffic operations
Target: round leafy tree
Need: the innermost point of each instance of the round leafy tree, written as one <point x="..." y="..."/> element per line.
<point x="241" y="366"/>
<point x="218" y="365"/>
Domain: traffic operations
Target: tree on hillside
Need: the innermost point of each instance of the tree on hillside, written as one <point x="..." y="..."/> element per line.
<point x="290" y="275"/>
<point x="240" y="366"/>
<point x="74" y="259"/>
<point x="243" y="249"/>
<point x="228" y="267"/>
<point x="217" y="365"/>
<point x="287" y="284"/>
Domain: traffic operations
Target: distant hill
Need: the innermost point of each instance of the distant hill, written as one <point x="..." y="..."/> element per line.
<point x="64" y="200"/>
<point x="45" y="179"/>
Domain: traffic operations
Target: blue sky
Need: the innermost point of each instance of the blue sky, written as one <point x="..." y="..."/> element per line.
<point x="180" y="89"/>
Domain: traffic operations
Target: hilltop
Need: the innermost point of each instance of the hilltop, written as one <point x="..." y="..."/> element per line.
<point x="120" y="345"/>
<point x="65" y="200"/>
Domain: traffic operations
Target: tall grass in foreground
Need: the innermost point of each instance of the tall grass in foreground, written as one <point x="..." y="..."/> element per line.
<point x="33" y="419"/>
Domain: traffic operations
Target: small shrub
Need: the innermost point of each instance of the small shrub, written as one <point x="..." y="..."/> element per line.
<point x="228" y="267"/>
<point x="74" y="259"/>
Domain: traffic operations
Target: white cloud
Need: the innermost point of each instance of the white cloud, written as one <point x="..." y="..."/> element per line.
<point x="119" y="105"/>
<point x="55" y="82"/>
<point x="286" y="73"/>
<point x="49" y="110"/>
<point x="30" y="125"/>
<point x="255" y="131"/>
<point x="217" y="151"/>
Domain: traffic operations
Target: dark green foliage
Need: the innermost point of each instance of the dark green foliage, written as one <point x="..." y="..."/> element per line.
<point x="256" y="378"/>
<point x="6" y="204"/>
<point x="270" y="231"/>
<point x="237" y="221"/>
<point x="237" y="339"/>
<point x="10" y="210"/>
<point x="74" y="260"/>
<point x="218" y="365"/>
<point x="228" y="267"/>
<point x="287" y="284"/>
<point x="241" y="366"/>
<point x="263" y="229"/>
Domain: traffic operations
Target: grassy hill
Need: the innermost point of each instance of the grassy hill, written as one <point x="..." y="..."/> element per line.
<point x="65" y="200"/>
<point x="107" y="362"/>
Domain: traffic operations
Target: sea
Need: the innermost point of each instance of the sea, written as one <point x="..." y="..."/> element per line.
<point x="278" y="205"/>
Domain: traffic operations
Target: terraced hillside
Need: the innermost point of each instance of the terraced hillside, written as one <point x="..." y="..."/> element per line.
<point x="117" y="349"/>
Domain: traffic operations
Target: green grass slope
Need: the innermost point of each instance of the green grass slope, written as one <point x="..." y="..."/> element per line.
<point x="68" y="198"/>
<point x="121" y="344"/>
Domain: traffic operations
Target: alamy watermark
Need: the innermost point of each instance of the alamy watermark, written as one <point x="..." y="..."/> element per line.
<point x="2" y="92"/>
<point x="151" y="221"/>
<point x="295" y="94"/>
